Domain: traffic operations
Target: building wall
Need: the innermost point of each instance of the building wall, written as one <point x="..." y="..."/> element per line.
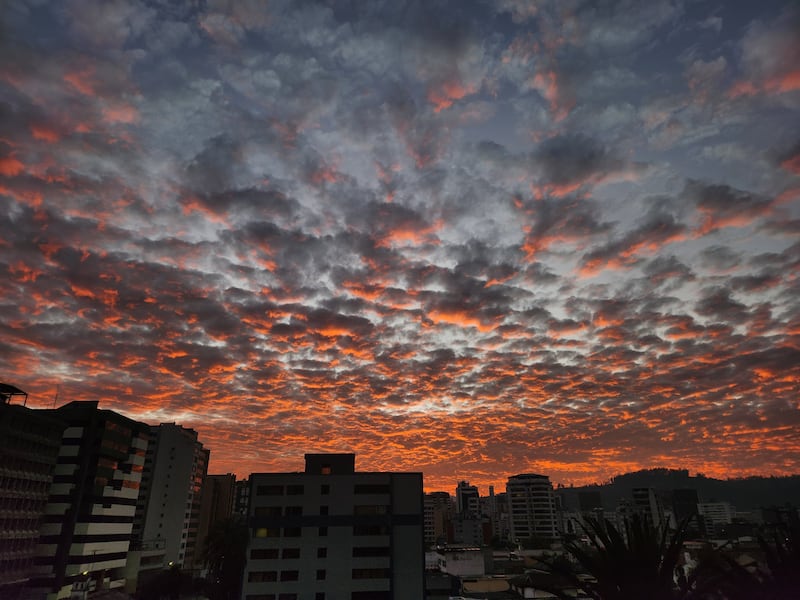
<point x="532" y="508"/>
<point x="89" y="515"/>
<point x="177" y="465"/>
<point x="29" y="444"/>
<point x="341" y="535"/>
<point x="216" y="506"/>
<point x="461" y="561"/>
<point x="438" y="508"/>
<point x="647" y="504"/>
<point x="467" y="499"/>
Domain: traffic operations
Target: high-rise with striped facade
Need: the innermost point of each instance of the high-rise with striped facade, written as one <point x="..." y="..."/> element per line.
<point x="86" y="529"/>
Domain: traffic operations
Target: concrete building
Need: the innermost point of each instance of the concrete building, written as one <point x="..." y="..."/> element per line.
<point x="241" y="501"/>
<point x="86" y="531"/>
<point x="468" y="500"/>
<point x="648" y="505"/>
<point x="216" y="506"/>
<point x="331" y="533"/>
<point x="499" y="515"/>
<point x="461" y="561"/>
<point x="716" y="515"/>
<point x="29" y="444"/>
<point x="168" y="510"/>
<point x="438" y="513"/>
<point x="532" y="508"/>
<point x="469" y="530"/>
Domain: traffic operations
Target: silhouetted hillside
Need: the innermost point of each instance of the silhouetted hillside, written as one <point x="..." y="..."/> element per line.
<point x="745" y="494"/>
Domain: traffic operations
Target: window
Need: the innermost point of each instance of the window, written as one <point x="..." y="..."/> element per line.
<point x="287" y="596"/>
<point x="261" y="576"/>
<point x="370" y="530"/>
<point x="292" y="531"/>
<point x="325" y="489"/>
<point x="269" y="490"/>
<point x="268" y="511"/>
<point x="320" y="574"/>
<point x="323" y="510"/>
<point x="319" y="596"/>
<point x="290" y="575"/>
<point x="291" y="553"/>
<point x="322" y="532"/>
<point x="382" y="595"/>
<point x="322" y="552"/>
<point x="260" y="597"/>
<point x="263" y="553"/>
<point x="294" y="490"/>
<point x="373" y="573"/>
<point x="263" y="532"/>
<point x="294" y="510"/>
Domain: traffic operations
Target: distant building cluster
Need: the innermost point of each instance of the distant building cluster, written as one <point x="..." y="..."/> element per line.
<point x="93" y="503"/>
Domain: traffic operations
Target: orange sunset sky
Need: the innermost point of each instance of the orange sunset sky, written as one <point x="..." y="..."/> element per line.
<point x="471" y="239"/>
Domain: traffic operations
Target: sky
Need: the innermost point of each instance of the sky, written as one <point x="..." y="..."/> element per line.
<point x="472" y="239"/>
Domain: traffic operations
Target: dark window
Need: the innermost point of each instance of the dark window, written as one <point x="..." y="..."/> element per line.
<point x="291" y="553"/>
<point x="294" y="490"/>
<point x="268" y="511"/>
<point x="259" y="576"/>
<point x="323" y="510"/>
<point x="260" y="597"/>
<point x="373" y="573"/>
<point x="322" y="552"/>
<point x="287" y="596"/>
<point x="324" y="489"/>
<point x="290" y="575"/>
<point x="382" y="595"/>
<point x="269" y="490"/>
<point x="322" y="532"/>
<point x="292" y="531"/>
<point x="319" y="596"/>
<point x="320" y="574"/>
<point x="294" y="510"/>
<point x="263" y="553"/>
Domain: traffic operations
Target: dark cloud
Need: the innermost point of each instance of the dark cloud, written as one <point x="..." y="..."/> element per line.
<point x="574" y="159"/>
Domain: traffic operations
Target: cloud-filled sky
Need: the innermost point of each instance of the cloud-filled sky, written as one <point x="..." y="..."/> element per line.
<point x="468" y="238"/>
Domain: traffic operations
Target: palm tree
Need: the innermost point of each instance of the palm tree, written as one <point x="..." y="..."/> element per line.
<point x="777" y="579"/>
<point x="639" y="565"/>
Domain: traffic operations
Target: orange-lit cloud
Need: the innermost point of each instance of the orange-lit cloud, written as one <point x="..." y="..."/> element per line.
<point x="472" y="248"/>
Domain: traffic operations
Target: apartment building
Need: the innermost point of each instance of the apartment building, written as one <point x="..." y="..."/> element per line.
<point x="532" y="508"/>
<point x="332" y="533"/>
<point x="168" y="511"/>
<point x="29" y="444"/>
<point x="86" y="529"/>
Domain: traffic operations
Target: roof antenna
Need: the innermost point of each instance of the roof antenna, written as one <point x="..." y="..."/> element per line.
<point x="55" y="398"/>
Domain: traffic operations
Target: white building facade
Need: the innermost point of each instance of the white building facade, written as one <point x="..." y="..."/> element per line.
<point x="331" y="533"/>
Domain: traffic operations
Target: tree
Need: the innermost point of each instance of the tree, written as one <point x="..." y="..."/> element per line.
<point x="225" y="553"/>
<point x="640" y="564"/>
<point x="777" y="579"/>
